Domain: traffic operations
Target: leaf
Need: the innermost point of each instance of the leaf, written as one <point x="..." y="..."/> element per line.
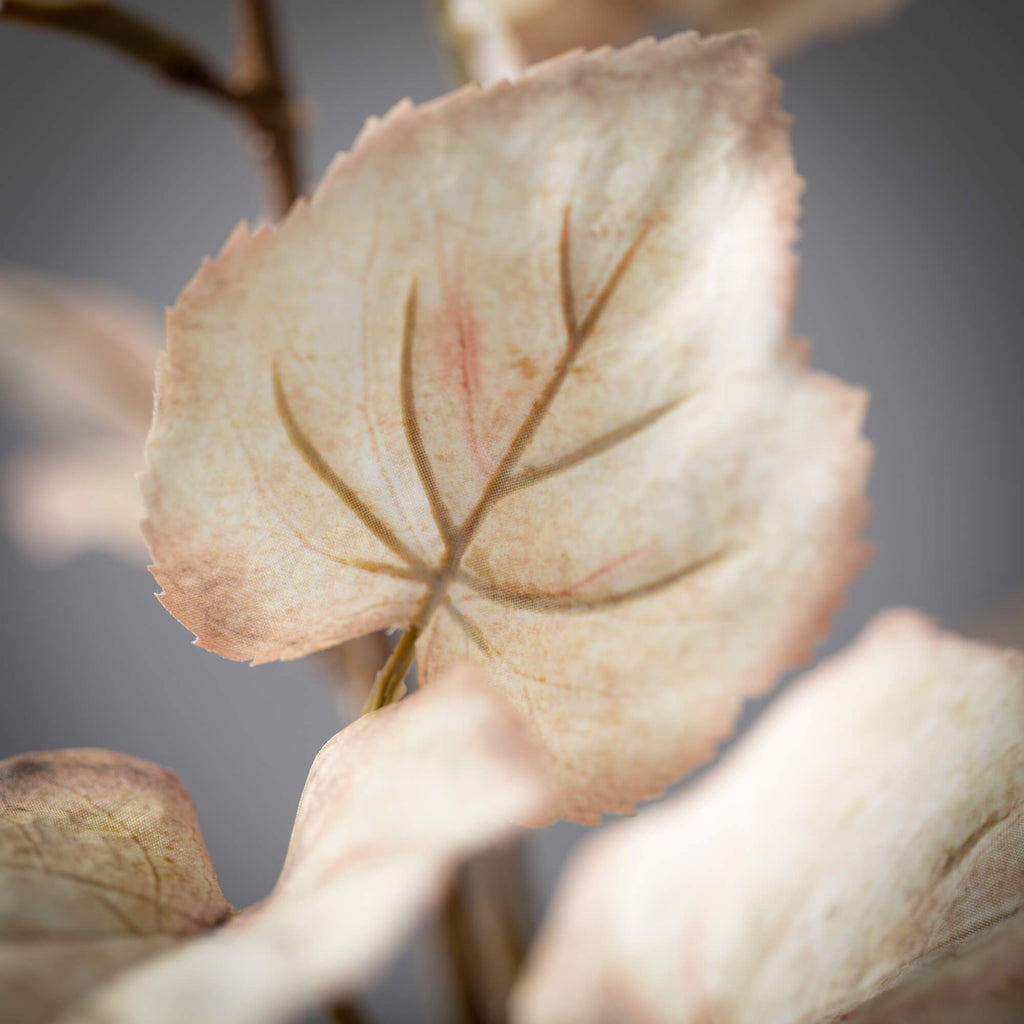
<point x="76" y="497"/>
<point x="78" y="360"/>
<point x="873" y="819"/>
<point x="391" y="806"/>
<point x="980" y="980"/>
<point x="101" y="865"/>
<point x="547" y="27"/>
<point x="477" y="41"/>
<point x="520" y="380"/>
<point x="75" y="354"/>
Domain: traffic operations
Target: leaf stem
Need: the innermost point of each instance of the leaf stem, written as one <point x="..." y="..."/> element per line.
<point x="392" y="675"/>
<point x="484" y="924"/>
<point x="264" y="102"/>
<point x="266" y="95"/>
<point x="346" y="1013"/>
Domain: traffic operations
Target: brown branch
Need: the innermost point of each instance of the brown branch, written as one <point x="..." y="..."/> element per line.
<point x="260" y="77"/>
<point x="484" y="926"/>
<point x="264" y="101"/>
<point x="347" y="1013"/>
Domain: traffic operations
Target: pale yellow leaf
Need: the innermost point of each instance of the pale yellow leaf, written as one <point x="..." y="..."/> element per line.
<point x="101" y="865"/>
<point x="547" y="27"/>
<point x="521" y="379"/>
<point x="874" y="818"/>
<point x="392" y="804"/>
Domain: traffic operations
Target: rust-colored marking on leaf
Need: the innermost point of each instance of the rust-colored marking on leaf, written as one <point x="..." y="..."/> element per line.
<point x="458" y="335"/>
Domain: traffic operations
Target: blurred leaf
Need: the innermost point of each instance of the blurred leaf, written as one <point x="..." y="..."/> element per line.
<point x="979" y="980"/>
<point x="101" y="865"/>
<point x="477" y="40"/>
<point x="520" y="379"/>
<point x="548" y="27"/>
<point x="83" y="496"/>
<point x="393" y="803"/>
<point x="874" y="820"/>
<point x="78" y="363"/>
<point x="75" y="355"/>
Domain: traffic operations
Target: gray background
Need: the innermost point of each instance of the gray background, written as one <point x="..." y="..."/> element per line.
<point x="910" y="139"/>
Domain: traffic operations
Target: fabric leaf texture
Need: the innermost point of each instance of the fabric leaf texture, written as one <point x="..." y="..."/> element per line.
<point x="520" y="380"/>
<point x="861" y="853"/>
<point x="392" y="805"/>
<point x="101" y="865"/>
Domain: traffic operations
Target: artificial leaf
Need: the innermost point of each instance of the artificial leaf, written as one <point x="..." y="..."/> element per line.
<point x="520" y="379"/>
<point x="874" y="818"/>
<point x="101" y="865"/>
<point x="978" y="980"/>
<point x="477" y="40"/>
<point x="76" y="497"/>
<point x="547" y="27"/>
<point x="785" y="25"/>
<point x="79" y="361"/>
<point x="77" y="354"/>
<point x="392" y="804"/>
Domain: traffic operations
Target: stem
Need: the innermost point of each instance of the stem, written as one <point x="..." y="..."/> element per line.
<point x="346" y="1013"/>
<point x="392" y="675"/>
<point x="352" y="667"/>
<point x="484" y="925"/>
<point x="263" y="83"/>
<point x="264" y="102"/>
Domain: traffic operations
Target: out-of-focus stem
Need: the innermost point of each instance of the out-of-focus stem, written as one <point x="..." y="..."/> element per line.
<point x="263" y="101"/>
<point x="262" y="81"/>
<point x="484" y="925"/>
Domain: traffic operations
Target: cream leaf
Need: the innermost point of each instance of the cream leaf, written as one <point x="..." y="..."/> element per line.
<point x="80" y="496"/>
<point x="544" y="28"/>
<point x="869" y="826"/>
<point x="477" y="40"/>
<point x="78" y="353"/>
<point x="101" y="865"/>
<point x="77" y="361"/>
<point x="392" y="804"/>
<point x="979" y="979"/>
<point x="520" y="379"/>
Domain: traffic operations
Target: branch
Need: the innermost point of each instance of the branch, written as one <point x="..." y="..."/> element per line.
<point x="264" y="101"/>
<point x="262" y="82"/>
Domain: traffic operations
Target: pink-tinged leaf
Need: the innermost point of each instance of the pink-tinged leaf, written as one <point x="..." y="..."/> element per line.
<point x="873" y="821"/>
<point x="101" y="865"/>
<point x="82" y="496"/>
<point x="79" y="362"/>
<point x="76" y="354"/>
<point x="520" y="378"/>
<point x="543" y="28"/>
<point x="391" y="806"/>
<point x="785" y="25"/>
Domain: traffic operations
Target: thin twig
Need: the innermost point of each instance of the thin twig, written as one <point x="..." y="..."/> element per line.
<point x="264" y="102"/>
<point x="261" y="78"/>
